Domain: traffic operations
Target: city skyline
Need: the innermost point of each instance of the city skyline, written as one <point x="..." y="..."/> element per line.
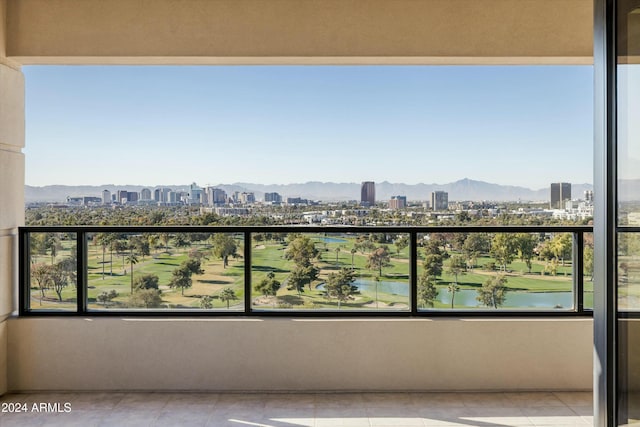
<point x="464" y="189"/>
<point x="516" y="125"/>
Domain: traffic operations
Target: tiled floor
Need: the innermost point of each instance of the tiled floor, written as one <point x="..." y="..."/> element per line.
<point x="299" y="409"/>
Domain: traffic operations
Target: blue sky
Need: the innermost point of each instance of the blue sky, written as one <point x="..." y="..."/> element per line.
<point x="517" y="125"/>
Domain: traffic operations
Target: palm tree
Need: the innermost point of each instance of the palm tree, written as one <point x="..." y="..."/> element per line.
<point x="353" y="252"/>
<point x="154" y="240"/>
<point x="112" y="240"/>
<point x="106" y="240"/>
<point x="132" y="259"/>
<point x="101" y="239"/>
<point x="452" y="289"/>
<point x="376" y="279"/>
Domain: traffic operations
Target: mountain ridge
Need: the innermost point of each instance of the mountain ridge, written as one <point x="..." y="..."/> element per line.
<point x="463" y="189"/>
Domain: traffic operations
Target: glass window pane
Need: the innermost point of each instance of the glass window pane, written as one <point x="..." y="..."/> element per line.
<point x="628" y="272"/>
<point x="628" y="263"/>
<point x="488" y="271"/>
<point x="588" y="270"/>
<point x="165" y="271"/>
<point x="53" y="271"/>
<point x="628" y="111"/>
<point x="330" y="271"/>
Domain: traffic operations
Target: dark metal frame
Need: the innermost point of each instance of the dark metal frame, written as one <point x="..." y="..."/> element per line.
<point x="605" y="214"/>
<point x="413" y="232"/>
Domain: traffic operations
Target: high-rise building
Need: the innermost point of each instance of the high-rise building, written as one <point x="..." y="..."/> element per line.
<point x="588" y="195"/>
<point x="195" y="194"/>
<point x="439" y="200"/>
<point x="122" y="196"/>
<point x="216" y="196"/>
<point x="145" y="194"/>
<point x="106" y="197"/>
<point x="246" y="198"/>
<point x="132" y="197"/>
<point x="398" y="202"/>
<point x="368" y="193"/>
<point x="296" y="201"/>
<point x="272" y="198"/>
<point x="560" y="191"/>
<point x="161" y="195"/>
<point x="171" y="197"/>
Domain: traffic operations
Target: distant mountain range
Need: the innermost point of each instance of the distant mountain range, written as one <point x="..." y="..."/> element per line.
<point x="464" y="189"/>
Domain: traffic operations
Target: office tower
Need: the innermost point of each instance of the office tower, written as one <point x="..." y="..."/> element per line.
<point x="122" y="196"/>
<point x="195" y="194"/>
<point x="171" y="197"/>
<point x="246" y="198"/>
<point x="106" y="197"/>
<point x="272" y="198"/>
<point x="398" y="202"/>
<point x="145" y="194"/>
<point x="368" y="193"/>
<point x="132" y="196"/>
<point x="560" y="191"/>
<point x="588" y="195"/>
<point x="439" y="200"/>
<point x="216" y="196"/>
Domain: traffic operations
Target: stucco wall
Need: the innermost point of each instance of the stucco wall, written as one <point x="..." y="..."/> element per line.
<point x="299" y="354"/>
<point x="11" y="186"/>
<point x="333" y="31"/>
<point x="278" y="354"/>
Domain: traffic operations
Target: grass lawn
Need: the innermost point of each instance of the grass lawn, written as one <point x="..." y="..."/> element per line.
<point x="268" y="256"/>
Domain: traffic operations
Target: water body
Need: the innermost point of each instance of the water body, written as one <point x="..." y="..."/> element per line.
<point x="331" y="240"/>
<point x="514" y="299"/>
<point x="388" y="287"/>
<point x="467" y="297"/>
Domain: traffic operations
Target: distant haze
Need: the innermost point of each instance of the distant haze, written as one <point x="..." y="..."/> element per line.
<point x="512" y="125"/>
<point x="464" y="189"/>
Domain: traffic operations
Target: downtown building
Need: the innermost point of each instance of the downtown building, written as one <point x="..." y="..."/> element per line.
<point x="501" y="353"/>
<point x="272" y="198"/>
<point x="559" y="192"/>
<point x="368" y="193"/>
<point x="215" y="196"/>
<point x="439" y="200"/>
<point x="145" y="195"/>
<point x="161" y="195"/>
<point x="398" y="202"/>
<point x="106" y="197"/>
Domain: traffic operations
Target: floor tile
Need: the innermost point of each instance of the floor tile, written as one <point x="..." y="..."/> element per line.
<point x="343" y="422"/>
<point x="492" y="400"/>
<point x="532" y="399"/>
<point x="553" y="416"/>
<point x="521" y="409"/>
<point x="437" y="400"/>
<point x="575" y="398"/>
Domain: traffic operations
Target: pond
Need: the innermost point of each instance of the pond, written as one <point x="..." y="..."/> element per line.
<point x="467" y="297"/>
<point x="514" y="299"/>
<point x="331" y="240"/>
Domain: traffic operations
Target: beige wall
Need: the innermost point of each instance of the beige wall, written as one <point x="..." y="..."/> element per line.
<point x="331" y="31"/>
<point x="299" y="354"/>
<point x="277" y="354"/>
<point x="3" y="28"/>
<point x="11" y="190"/>
<point x="629" y="331"/>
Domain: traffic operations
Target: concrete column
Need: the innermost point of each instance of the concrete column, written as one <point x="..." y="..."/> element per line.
<point x="11" y="187"/>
